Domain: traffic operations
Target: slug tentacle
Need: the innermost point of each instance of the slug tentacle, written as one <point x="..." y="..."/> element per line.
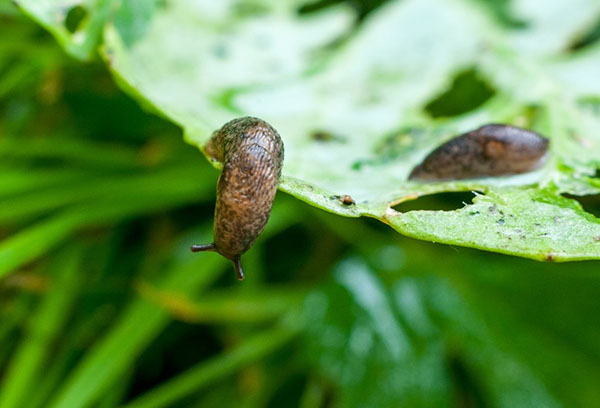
<point x="203" y="248"/>
<point x="252" y="155"/>
<point x="239" y="273"/>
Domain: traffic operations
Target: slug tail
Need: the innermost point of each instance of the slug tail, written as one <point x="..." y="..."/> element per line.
<point x="239" y="273"/>
<point x="203" y="248"/>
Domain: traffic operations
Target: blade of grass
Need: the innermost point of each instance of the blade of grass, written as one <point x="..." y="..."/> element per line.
<point x="138" y="325"/>
<point x="143" y="320"/>
<point x="19" y="309"/>
<point x="24" y="180"/>
<point x="314" y="394"/>
<point x="117" y="393"/>
<point x="43" y="330"/>
<point x="28" y="244"/>
<point x="66" y="357"/>
<point x="215" y="369"/>
<point x="75" y="150"/>
<point x="26" y="206"/>
<point x="15" y="77"/>
<point x="34" y="241"/>
<point x="233" y="306"/>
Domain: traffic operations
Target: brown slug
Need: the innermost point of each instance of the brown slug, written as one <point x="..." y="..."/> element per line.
<point x="251" y="151"/>
<point x="491" y="150"/>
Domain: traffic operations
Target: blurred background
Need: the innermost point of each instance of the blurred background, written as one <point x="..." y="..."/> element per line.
<point x="103" y="305"/>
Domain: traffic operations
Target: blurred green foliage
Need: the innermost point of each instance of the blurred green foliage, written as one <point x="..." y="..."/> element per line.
<point x="103" y="305"/>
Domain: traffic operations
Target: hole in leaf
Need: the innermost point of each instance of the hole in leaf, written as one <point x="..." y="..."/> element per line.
<point x="590" y="203"/>
<point x="587" y="39"/>
<point x="467" y="92"/>
<point x="362" y="7"/>
<point x="438" y="202"/>
<point x="75" y="17"/>
<point x="500" y="9"/>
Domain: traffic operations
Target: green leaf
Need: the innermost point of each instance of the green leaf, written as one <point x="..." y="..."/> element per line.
<point x="76" y="25"/>
<point x="217" y="368"/>
<point x="359" y="105"/>
<point x="474" y="333"/>
<point x="44" y="329"/>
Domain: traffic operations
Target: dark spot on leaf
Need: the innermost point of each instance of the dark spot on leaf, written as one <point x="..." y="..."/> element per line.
<point x="398" y="141"/>
<point x="438" y="202"/>
<point x="590" y="203"/>
<point x="74" y="18"/>
<point x="219" y="51"/>
<point x="357" y="165"/>
<point x="550" y="257"/>
<point x="397" y="145"/>
<point x="325" y="136"/>
<point x="500" y="221"/>
<point x="587" y="38"/>
<point x="467" y="92"/>
<point x="492" y="209"/>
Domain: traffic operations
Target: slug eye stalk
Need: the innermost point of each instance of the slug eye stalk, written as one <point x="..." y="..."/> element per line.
<point x="237" y="262"/>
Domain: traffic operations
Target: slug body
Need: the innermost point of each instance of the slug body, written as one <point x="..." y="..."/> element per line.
<point x="491" y="150"/>
<point x="252" y="155"/>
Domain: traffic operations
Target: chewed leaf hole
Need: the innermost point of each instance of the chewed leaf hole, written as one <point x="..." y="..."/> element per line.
<point x="588" y="38"/>
<point x="467" y="92"/>
<point x="438" y="202"/>
<point x="590" y="203"/>
<point x="75" y="17"/>
<point x="362" y="7"/>
<point x="502" y="10"/>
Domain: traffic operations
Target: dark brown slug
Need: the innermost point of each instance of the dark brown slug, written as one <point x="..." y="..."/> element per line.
<point x="492" y="150"/>
<point x="252" y="155"/>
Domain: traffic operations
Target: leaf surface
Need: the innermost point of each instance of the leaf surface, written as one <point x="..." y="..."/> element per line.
<point x="360" y="104"/>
